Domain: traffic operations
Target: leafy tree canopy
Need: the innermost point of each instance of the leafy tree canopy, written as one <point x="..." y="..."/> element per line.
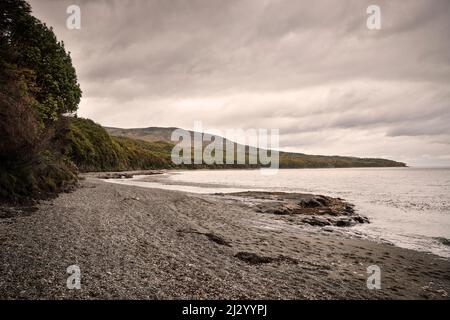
<point x="31" y="49"/>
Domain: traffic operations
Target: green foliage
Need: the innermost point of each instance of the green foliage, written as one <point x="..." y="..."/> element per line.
<point x="30" y="166"/>
<point x="39" y="179"/>
<point x="91" y="148"/>
<point x="37" y="85"/>
<point x="28" y="44"/>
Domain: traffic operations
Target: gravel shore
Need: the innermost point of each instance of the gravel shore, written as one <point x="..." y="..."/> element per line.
<point x="139" y="243"/>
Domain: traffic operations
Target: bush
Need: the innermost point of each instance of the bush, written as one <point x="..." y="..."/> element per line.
<point x="37" y="85"/>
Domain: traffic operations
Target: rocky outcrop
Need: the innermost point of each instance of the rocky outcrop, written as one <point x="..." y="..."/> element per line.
<point x="116" y="175"/>
<point x="315" y="210"/>
<point x="127" y="175"/>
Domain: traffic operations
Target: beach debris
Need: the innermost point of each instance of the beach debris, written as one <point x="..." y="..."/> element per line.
<point x="131" y="198"/>
<point x="210" y="236"/>
<point x="217" y="239"/>
<point x="253" y="258"/>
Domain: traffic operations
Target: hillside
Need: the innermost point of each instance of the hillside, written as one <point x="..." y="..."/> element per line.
<point x="91" y="148"/>
<point x="150" y="134"/>
<point x="287" y="159"/>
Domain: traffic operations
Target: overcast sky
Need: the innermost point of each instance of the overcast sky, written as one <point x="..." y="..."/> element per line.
<point x="310" y="68"/>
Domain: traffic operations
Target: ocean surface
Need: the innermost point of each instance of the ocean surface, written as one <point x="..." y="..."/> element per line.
<point x="408" y="207"/>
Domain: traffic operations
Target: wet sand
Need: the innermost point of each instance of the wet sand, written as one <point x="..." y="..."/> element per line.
<point x="140" y="243"/>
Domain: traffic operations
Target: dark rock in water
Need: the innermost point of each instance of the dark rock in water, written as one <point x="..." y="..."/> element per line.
<point x="344" y="223"/>
<point x="316" y="221"/>
<point x="349" y="208"/>
<point x="444" y="241"/>
<point x="361" y="219"/>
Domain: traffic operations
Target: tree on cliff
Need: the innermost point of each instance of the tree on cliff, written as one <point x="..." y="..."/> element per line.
<point x="37" y="85"/>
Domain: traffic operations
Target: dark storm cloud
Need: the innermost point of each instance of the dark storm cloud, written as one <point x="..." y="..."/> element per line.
<point x="311" y="69"/>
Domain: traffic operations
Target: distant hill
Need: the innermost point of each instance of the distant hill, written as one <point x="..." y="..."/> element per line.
<point x="287" y="159"/>
<point x="95" y="148"/>
<point x="150" y="134"/>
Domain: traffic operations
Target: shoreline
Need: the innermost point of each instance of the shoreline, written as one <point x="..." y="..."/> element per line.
<point x="142" y="243"/>
<point x="382" y="228"/>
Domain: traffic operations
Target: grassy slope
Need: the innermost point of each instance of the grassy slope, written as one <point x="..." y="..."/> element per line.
<point x="92" y="148"/>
